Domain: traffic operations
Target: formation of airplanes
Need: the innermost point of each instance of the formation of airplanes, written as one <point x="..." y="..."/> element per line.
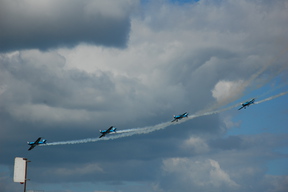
<point x="112" y="129"/>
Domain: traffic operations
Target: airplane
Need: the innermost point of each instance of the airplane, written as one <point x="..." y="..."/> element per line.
<point x="37" y="142"/>
<point x="247" y="103"/>
<point x="177" y="117"/>
<point x="110" y="130"/>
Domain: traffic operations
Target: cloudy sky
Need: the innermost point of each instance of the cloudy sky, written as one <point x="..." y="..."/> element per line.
<point x="70" y="68"/>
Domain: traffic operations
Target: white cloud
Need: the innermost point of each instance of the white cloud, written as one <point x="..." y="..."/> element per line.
<point x="229" y="122"/>
<point x="199" y="175"/>
<point x="196" y="144"/>
<point x="225" y="91"/>
<point x="218" y="176"/>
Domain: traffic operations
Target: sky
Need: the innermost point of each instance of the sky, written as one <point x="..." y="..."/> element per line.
<point x="71" y="68"/>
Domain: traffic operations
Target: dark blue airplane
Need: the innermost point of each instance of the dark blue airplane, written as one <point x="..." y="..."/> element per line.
<point x="37" y="142"/>
<point x="177" y="117"/>
<point x="110" y="130"/>
<point x="247" y="103"/>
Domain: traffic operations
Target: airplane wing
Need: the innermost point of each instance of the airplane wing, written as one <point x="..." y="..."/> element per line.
<point x="108" y="130"/>
<point x="32" y="146"/>
<point x="37" y="141"/>
<point x="102" y="135"/>
<point x="241" y="108"/>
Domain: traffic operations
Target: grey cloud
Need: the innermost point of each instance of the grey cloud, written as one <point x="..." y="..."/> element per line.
<point x="229" y="143"/>
<point x="39" y="87"/>
<point x="50" y="24"/>
<point x="52" y="85"/>
<point x="6" y="184"/>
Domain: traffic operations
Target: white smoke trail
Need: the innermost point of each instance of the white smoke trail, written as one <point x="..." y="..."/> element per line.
<point x="149" y="129"/>
<point x="136" y="131"/>
<point x="126" y="130"/>
<point x="272" y="97"/>
<point x="122" y="133"/>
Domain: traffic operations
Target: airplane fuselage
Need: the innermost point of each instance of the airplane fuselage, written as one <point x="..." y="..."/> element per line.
<point x="40" y="142"/>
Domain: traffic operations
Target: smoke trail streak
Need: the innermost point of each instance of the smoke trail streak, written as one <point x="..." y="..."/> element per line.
<point x="127" y="130"/>
<point x="270" y="98"/>
<point x="149" y="129"/>
<point x="138" y="131"/>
